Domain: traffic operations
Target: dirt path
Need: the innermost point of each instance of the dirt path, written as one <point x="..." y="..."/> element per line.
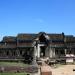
<point x="61" y="70"/>
<point x="64" y="70"/>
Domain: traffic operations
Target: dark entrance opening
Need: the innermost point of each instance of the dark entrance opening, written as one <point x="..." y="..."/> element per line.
<point x="42" y="53"/>
<point x="42" y="39"/>
<point x="44" y="42"/>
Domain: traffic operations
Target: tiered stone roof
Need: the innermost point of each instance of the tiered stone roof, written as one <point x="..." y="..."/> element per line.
<point x="26" y="40"/>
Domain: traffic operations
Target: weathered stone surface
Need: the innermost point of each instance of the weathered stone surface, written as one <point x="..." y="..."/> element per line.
<point x="46" y="70"/>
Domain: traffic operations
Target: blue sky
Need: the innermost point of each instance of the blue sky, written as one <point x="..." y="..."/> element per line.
<point x="33" y="16"/>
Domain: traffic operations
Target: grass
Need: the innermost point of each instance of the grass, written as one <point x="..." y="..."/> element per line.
<point x="21" y="64"/>
<point x="13" y="74"/>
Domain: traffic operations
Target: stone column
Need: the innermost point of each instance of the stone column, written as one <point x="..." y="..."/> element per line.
<point x="65" y="51"/>
<point x="10" y="53"/>
<point x="50" y="52"/>
<point x="34" y="56"/>
<point x="53" y="52"/>
<point x="18" y="53"/>
<point x="47" y="52"/>
<point x="35" y="51"/>
<point x="38" y="51"/>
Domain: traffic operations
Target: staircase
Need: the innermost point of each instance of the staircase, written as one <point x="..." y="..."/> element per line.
<point x="45" y="69"/>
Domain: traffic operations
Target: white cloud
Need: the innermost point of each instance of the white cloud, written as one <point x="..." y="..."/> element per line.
<point x="39" y="20"/>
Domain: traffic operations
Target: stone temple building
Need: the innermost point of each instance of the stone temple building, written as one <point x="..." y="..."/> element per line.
<point x="28" y="46"/>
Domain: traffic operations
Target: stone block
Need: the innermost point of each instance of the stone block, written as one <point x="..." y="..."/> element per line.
<point x="46" y="70"/>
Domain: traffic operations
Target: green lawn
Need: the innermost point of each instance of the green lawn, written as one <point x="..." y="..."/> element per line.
<point x="13" y="74"/>
<point x="21" y="64"/>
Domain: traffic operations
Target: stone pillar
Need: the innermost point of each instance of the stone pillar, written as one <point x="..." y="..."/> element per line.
<point x="50" y="52"/>
<point x="10" y="53"/>
<point x="35" y="51"/>
<point x="38" y="51"/>
<point x="18" y="53"/>
<point x="34" y="56"/>
<point x="65" y="51"/>
<point x="53" y="52"/>
<point x="47" y="52"/>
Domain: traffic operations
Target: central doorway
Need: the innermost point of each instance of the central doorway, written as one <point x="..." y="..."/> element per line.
<point x="42" y="51"/>
<point x="42" y="45"/>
